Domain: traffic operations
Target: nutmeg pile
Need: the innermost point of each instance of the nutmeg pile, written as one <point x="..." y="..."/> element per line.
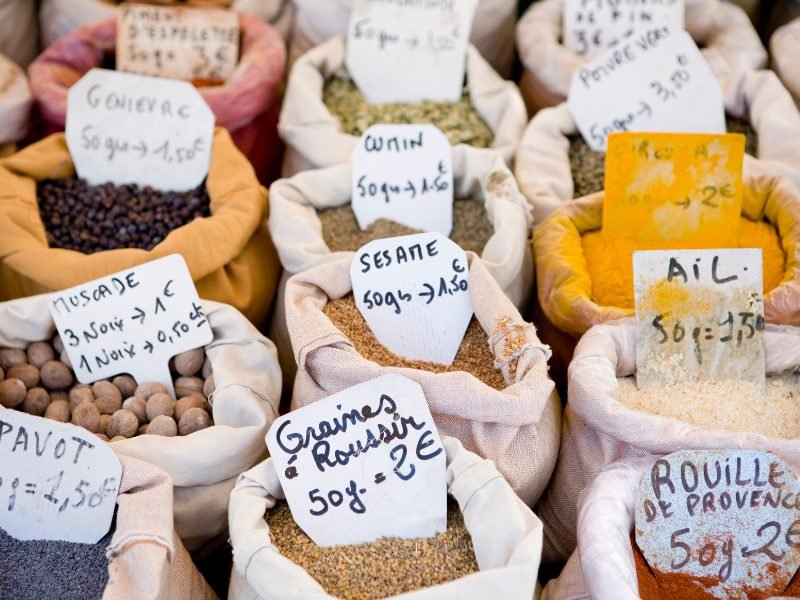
<point x="39" y="381"/>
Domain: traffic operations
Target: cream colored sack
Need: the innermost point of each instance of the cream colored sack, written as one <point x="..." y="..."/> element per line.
<point x="598" y="430"/>
<point x="542" y="167"/>
<point x="517" y="427"/>
<point x="785" y="50"/>
<point x="548" y="65"/>
<point x="478" y="174"/>
<point x="16" y="100"/>
<point x="204" y="465"/>
<point x="492" y="28"/>
<point x="313" y="136"/>
<point x="506" y="535"/>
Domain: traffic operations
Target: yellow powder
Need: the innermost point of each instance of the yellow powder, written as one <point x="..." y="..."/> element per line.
<point x="610" y="262"/>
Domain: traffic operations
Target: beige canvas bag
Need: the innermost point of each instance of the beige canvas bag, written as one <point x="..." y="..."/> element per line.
<point x="517" y="427"/>
<point x="204" y="465"/>
<point x="597" y="430"/>
<point x="16" y="100"/>
<point x="506" y="535"/>
<point x="784" y="48"/>
<point x="548" y="65"/>
<point x="312" y="134"/>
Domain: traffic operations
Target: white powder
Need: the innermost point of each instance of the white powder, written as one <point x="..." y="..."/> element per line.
<point x="734" y="405"/>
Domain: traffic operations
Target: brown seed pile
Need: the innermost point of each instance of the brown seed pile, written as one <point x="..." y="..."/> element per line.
<point x="379" y="569"/>
<point x="473" y="355"/>
<point x="459" y="121"/>
<point x="471" y="227"/>
<point x="92" y="218"/>
<point x="39" y="381"/>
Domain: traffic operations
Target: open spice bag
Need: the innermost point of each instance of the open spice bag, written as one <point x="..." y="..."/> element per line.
<point x="785" y="51"/>
<point x="505" y="533"/>
<point x="16" y="100"/>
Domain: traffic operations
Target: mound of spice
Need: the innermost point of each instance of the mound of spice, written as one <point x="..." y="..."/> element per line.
<point x="387" y="567"/>
<point x="459" y="121"/>
<point x="48" y="569"/>
<point x="38" y="382"/>
<point x="92" y="218"/>
<point x="610" y="262"/>
<point x="589" y="167"/>
<point x="473" y="355"/>
<point x="471" y="227"/>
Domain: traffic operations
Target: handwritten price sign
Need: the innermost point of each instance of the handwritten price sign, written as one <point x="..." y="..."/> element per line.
<point x="728" y="520"/>
<point x="363" y="464"/>
<point x="127" y="128"/>
<point x="131" y="322"/>
<point x="57" y="481"/>
<point x="699" y="315"/>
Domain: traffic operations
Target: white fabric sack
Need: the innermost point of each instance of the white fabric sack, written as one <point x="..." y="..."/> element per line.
<point x="598" y="430"/>
<point x="19" y="34"/>
<point x="542" y="166"/>
<point x="785" y="51"/>
<point x="16" y="100"/>
<point x="313" y="135"/>
<point x="506" y="536"/>
<point x="203" y="465"/>
<point x="548" y="65"/>
<point x="492" y="28"/>
<point x="58" y="17"/>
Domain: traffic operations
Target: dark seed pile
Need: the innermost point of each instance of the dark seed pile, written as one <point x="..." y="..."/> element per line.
<point x="87" y="218"/>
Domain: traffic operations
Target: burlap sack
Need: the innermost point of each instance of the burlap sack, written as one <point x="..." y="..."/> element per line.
<point x="506" y="535"/>
<point x="478" y="174"/>
<point x="492" y="28"/>
<point x="59" y="17"/>
<point x="246" y="104"/>
<point x="312" y="134"/>
<point x="548" y="64"/>
<point x="597" y="430"/>
<point x="147" y="559"/>
<point x="229" y="254"/>
<point x="16" y="100"/>
<point x="564" y="285"/>
<point x="517" y="427"/>
<point x="19" y="34"/>
<point x="784" y="48"/>
<point x="203" y="465"/>
<point x="542" y="166"/>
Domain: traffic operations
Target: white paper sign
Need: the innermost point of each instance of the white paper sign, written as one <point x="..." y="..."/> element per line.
<point x="591" y="26"/>
<point x="653" y="81"/>
<point x="412" y="291"/>
<point x="699" y="315"/>
<point x="363" y="464"/>
<point x="177" y="42"/>
<point x="404" y="173"/>
<point x="57" y="481"/>
<point x="131" y="322"/>
<point x="409" y="51"/>
<point x="727" y="520"/>
<point x="127" y="128"/>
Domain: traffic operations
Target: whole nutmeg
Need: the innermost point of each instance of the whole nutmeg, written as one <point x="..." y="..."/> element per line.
<point x="12" y="356"/>
<point x="64" y="358"/>
<point x="58" y="395"/>
<point x="145" y="390"/>
<point x="58" y="345"/>
<point x="187" y="402"/>
<point x="124" y="423"/>
<point x="27" y="374"/>
<point x="142" y="429"/>
<point x="193" y="420"/>
<point x="106" y="388"/>
<point x="79" y="394"/>
<point x="138" y="407"/>
<point x="39" y="353"/>
<point x="185" y="386"/>
<point x="36" y="401"/>
<point x="12" y="392"/>
<point x="163" y="425"/>
<point x="2" y="374"/>
<point x="87" y="416"/>
<point x="125" y="384"/>
<point x="190" y="362"/>
<point x="58" y="411"/>
<point x="208" y="386"/>
<point x="206" y="368"/>
<point x="56" y="375"/>
<point x="104" y="419"/>
<point x="160" y="404"/>
<point x="102" y="436"/>
<point x="108" y="405"/>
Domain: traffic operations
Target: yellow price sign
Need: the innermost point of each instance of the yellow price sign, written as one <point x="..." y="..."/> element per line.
<point x="674" y="187"/>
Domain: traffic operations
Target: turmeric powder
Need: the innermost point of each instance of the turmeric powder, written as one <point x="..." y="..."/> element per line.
<point x="610" y="262"/>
